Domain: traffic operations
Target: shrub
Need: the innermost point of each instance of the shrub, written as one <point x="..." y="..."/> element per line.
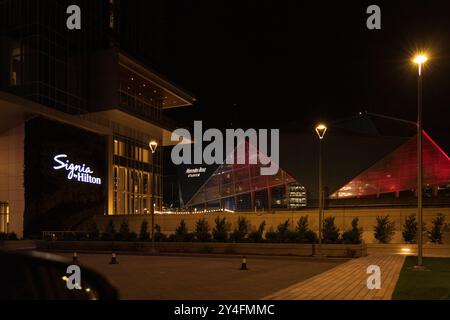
<point x="257" y="235"/>
<point x="159" y="236"/>
<point x="92" y="231"/>
<point x="12" y="236"/>
<point x="330" y="233"/>
<point x="353" y="236"/>
<point x="8" y="236"/>
<point x="182" y="233"/>
<point x="282" y="234"/>
<point x="241" y="232"/>
<point x="410" y="229"/>
<point x="220" y="231"/>
<point x="435" y="235"/>
<point x="384" y="229"/>
<point x="303" y="233"/>
<point x="202" y="231"/>
<point x="110" y="232"/>
<point x="272" y="236"/>
<point x="144" y="235"/>
<point x="124" y="231"/>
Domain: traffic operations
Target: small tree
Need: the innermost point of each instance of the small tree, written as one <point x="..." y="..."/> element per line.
<point x="110" y="232"/>
<point x="202" y="231"/>
<point x="144" y="235"/>
<point x="303" y="233"/>
<point x="159" y="236"/>
<point x="93" y="233"/>
<point x="239" y="234"/>
<point x="220" y="231"/>
<point x="330" y="233"/>
<point x="125" y="233"/>
<point x="410" y="229"/>
<point x="436" y="235"/>
<point x="354" y="235"/>
<point x="257" y="235"/>
<point x="181" y="233"/>
<point x="384" y="229"/>
<point x="283" y="233"/>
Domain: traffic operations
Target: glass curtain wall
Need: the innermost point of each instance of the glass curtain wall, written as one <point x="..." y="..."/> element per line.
<point x="137" y="177"/>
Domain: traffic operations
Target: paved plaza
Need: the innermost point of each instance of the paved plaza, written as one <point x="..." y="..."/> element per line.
<point x="347" y="281"/>
<point x="203" y="277"/>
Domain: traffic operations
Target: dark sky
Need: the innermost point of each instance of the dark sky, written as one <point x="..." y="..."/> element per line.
<point x="290" y="64"/>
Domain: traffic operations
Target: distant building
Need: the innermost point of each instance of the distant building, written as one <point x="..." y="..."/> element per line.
<point x="366" y="163"/>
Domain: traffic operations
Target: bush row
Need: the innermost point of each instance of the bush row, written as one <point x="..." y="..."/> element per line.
<point x="243" y="231"/>
<point x="8" y="236"/>
<point x="222" y="232"/>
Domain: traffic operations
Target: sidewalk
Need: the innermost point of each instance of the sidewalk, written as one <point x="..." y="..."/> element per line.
<point x="347" y="281"/>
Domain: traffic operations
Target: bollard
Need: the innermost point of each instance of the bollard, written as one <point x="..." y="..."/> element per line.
<point x="75" y="258"/>
<point x="244" y="263"/>
<point x="114" y="259"/>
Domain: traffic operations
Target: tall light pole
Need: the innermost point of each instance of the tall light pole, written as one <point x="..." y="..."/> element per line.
<point x="321" y="130"/>
<point x="153" y="146"/>
<point x="419" y="59"/>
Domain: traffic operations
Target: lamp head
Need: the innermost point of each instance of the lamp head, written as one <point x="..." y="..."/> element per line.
<point x="153" y="146"/>
<point x="420" y="59"/>
<point x="321" y="129"/>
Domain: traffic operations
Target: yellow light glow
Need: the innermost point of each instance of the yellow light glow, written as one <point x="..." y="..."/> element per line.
<point x="153" y="145"/>
<point x="321" y="129"/>
<point x="406" y="250"/>
<point x="420" y="59"/>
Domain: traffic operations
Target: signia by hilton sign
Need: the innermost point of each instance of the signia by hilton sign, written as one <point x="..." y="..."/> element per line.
<point x="77" y="172"/>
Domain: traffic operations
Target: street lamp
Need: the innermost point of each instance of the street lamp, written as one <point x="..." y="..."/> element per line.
<point x="321" y="130"/>
<point x="153" y="146"/>
<point x="420" y="60"/>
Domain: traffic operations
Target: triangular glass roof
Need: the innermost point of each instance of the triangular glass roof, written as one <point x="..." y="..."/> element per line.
<point x="230" y="180"/>
<point x="398" y="171"/>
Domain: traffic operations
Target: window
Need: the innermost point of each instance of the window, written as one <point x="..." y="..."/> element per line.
<point x="133" y="174"/>
<point x="4" y="217"/>
<point x="16" y="66"/>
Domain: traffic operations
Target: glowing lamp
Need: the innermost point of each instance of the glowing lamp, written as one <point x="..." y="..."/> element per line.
<point x="153" y="145"/>
<point x="321" y="130"/>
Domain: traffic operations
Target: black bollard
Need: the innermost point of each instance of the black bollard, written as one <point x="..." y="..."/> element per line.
<point x="114" y="259"/>
<point x="244" y="263"/>
<point x="75" y="258"/>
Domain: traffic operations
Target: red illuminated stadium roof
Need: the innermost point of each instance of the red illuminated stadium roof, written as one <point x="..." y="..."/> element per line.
<point x="398" y="171"/>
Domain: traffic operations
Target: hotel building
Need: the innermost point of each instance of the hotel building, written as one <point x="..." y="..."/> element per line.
<point x="77" y="113"/>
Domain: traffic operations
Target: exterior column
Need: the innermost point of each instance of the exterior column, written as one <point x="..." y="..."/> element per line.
<point x="252" y="201"/>
<point x="269" y="197"/>
<point x="110" y="174"/>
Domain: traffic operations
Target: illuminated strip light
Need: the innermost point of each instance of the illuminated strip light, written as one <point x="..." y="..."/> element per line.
<point x="192" y="212"/>
<point x="436" y="145"/>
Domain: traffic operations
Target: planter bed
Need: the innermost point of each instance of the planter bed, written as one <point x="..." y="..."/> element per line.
<point x="276" y="249"/>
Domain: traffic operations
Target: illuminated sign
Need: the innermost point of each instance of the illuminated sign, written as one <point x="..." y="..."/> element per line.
<point x="195" y="173"/>
<point x="80" y="173"/>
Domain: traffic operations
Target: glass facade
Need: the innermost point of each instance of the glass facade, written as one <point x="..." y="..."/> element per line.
<point x="48" y="63"/>
<point x="137" y="178"/>
<point x="4" y="217"/>
<point x="242" y="187"/>
<point x="397" y="173"/>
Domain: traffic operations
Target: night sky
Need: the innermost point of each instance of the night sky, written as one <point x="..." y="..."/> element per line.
<point x="290" y="64"/>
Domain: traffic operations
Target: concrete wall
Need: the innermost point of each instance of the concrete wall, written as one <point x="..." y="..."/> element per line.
<point x="343" y="220"/>
<point x="11" y="176"/>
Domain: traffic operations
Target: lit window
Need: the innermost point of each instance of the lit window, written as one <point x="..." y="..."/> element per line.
<point x="16" y="66"/>
<point x="111" y="20"/>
